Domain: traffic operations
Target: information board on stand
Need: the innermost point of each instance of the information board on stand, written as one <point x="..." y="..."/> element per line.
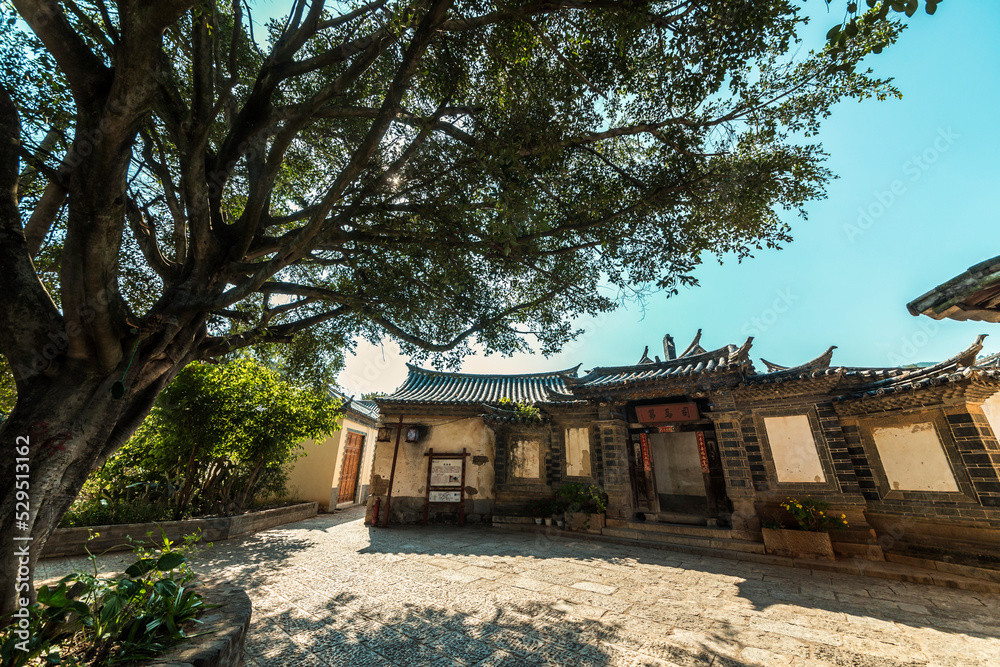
<point x="445" y="482"/>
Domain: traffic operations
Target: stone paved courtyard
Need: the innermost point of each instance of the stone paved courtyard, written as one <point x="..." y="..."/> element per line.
<point x="330" y="591"/>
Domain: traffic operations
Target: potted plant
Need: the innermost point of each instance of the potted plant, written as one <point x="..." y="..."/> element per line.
<point x="540" y="508"/>
<point x="584" y="507"/>
<point x="809" y="539"/>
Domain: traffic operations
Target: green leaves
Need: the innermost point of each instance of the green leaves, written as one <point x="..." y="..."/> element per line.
<point x="169" y="561"/>
<point x="140" y="567"/>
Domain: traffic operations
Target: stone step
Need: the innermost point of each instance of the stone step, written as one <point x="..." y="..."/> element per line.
<point x="684" y="529"/>
<point x="681" y="540"/>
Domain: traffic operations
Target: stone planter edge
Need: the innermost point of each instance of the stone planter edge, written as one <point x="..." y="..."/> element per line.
<point x="73" y="541"/>
<point x="798" y="543"/>
<point x="577" y="521"/>
<point x="225" y="631"/>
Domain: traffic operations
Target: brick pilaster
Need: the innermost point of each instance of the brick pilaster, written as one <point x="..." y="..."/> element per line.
<point x="977" y="445"/>
<point x="614" y="450"/>
<point x="736" y="465"/>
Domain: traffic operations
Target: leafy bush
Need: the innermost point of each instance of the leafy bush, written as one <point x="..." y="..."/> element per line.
<point x="94" y="511"/>
<point x="86" y="619"/>
<point x="579" y="498"/>
<point x="219" y="439"/>
<point x="524" y="411"/>
<point x="812" y="514"/>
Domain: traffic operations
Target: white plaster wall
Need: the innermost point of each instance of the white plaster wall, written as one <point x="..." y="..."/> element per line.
<point x="914" y="458"/>
<point x="578" y="462"/>
<point x="793" y="449"/>
<point x="676" y="464"/>
<point x="991" y="408"/>
<point x="314" y="475"/>
<point x="525" y="461"/>
<point x="447" y="434"/>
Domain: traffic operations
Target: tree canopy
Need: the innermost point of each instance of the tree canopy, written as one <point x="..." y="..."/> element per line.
<point x="440" y="173"/>
<point x="180" y="183"/>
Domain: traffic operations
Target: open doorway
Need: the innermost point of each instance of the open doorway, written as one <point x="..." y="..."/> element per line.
<point x="677" y="473"/>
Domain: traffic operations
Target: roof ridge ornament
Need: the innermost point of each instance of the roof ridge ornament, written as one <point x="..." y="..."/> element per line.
<point x="742" y="353"/>
<point x="694" y="348"/>
<point x="820" y="362"/>
<point x="645" y="357"/>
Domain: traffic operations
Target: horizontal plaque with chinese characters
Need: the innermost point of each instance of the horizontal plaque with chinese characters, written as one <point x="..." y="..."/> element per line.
<point x="671" y="412"/>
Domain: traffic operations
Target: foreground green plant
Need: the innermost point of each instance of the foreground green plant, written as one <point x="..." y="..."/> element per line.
<point x="87" y="619"/>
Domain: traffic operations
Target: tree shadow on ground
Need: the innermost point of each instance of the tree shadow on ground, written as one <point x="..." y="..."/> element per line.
<point x="837" y="618"/>
<point x="354" y="630"/>
<point x="248" y="555"/>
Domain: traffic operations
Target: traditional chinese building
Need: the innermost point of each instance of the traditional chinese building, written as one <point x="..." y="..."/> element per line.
<point x="334" y="471"/>
<point x="700" y="447"/>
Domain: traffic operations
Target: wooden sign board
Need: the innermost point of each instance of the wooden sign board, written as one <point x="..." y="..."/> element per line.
<point x="666" y="413"/>
<point x="445" y="481"/>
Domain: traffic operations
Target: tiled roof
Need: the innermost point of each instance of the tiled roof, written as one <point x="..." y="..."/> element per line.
<point x="364" y="409"/>
<point x="973" y="295"/>
<point x="436" y="387"/>
<point x="728" y="358"/>
<point x="990" y="360"/>
<point x="367" y="408"/>
<point x="959" y="367"/>
<point x="822" y="361"/>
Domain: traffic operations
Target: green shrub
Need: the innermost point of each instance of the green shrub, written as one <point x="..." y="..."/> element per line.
<point x="87" y="619"/>
<point x="102" y="511"/>
<point x="219" y="439"/>
<point x="579" y="498"/>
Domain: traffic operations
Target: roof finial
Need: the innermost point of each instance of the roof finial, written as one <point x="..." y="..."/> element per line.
<point x="645" y="357"/>
<point x="669" y="351"/>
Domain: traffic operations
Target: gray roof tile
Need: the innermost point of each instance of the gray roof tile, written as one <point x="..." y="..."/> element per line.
<point x="724" y="359"/>
<point x="437" y="387"/>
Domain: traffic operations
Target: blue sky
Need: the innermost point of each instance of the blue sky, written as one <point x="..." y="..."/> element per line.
<point x="915" y="204"/>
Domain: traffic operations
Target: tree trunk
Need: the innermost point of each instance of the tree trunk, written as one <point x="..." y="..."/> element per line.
<point x="71" y="424"/>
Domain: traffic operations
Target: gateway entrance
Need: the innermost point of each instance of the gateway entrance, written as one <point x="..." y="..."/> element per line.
<point x="675" y="468"/>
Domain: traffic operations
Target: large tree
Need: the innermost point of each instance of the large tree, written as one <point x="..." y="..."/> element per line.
<point x="179" y="183"/>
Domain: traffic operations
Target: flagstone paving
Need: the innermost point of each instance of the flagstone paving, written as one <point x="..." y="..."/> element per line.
<point x="330" y="591"/>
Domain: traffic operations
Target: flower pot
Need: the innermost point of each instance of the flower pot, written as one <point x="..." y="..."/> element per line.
<point x="548" y="521"/>
<point x="538" y="521"/>
<point x="560" y="523"/>
<point x="798" y="543"/>
<point x="584" y="522"/>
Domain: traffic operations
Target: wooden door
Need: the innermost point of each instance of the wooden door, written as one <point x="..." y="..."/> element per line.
<point x="349" y="470"/>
